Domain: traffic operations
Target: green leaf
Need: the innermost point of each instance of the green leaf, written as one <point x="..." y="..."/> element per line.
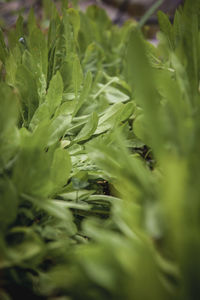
<point x="142" y="78"/>
<point x="58" y="211"/>
<point x="54" y="94"/>
<point x="41" y="114"/>
<point x="60" y="168"/>
<point x="9" y="108"/>
<point x="31" y="246"/>
<point x="9" y="203"/>
<point x="38" y="48"/>
<point x="77" y="76"/>
<point x="30" y="178"/>
<point x="74" y="20"/>
<point x="114" y="95"/>
<point x="150" y="12"/>
<point x="9" y="136"/>
<point x="3" y="48"/>
<point x="166" y="28"/>
<point x="102" y="199"/>
<point x="88" y="130"/>
<point x="84" y="93"/>
<point x="31" y="21"/>
<point x="57" y="128"/>
<point x="108" y="119"/>
<point x="27" y="86"/>
<point x="19" y="27"/>
<point x="112" y="117"/>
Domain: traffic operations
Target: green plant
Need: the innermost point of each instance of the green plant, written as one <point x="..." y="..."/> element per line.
<point x="99" y="160"/>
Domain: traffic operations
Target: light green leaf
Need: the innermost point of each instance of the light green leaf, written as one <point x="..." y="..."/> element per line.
<point x="57" y="128"/>
<point x="114" y="95"/>
<point x="60" y="168"/>
<point x="84" y="93"/>
<point x="11" y="69"/>
<point x="31" y="21"/>
<point x="89" y="128"/>
<point x="113" y="116"/>
<point x="41" y="114"/>
<point x="9" y="108"/>
<point x="3" y="48"/>
<point x="107" y="120"/>
<point x="74" y="20"/>
<point x="102" y="199"/>
<point x="27" y="86"/>
<point x="166" y="28"/>
<point x="54" y="94"/>
<point x="77" y="75"/>
<point x="38" y="48"/>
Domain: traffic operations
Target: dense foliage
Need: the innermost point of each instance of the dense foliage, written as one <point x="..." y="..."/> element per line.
<point x="99" y="158"/>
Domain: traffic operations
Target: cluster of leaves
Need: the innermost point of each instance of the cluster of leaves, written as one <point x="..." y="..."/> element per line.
<point x="99" y="158"/>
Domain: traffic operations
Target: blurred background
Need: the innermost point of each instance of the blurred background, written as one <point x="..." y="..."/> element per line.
<point x="119" y="10"/>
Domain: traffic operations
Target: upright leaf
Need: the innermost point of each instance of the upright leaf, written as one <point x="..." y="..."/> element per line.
<point x="77" y="75"/>
<point x="38" y="48"/>
<point x="74" y="20"/>
<point x="54" y="94"/>
<point x="60" y="168"/>
<point x="84" y="93"/>
<point x="3" y="48"/>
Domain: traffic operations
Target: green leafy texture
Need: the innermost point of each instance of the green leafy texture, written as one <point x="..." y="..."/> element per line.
<point x="38" y="48"/>
<point x="137" y="176"/>
<point x="9" y="202"/>
<point x="74" y="20"/>
<point x="125" y="211"/>
<point x="29" y="179"/>
<point x="166" y="27"/>
<point x="41" y="114"/>
<point x="9" y="139"/>
<point x="88" y="130"/>
<point x="142" y="79"/>
<point x="28" y="61"/>
<point x="54" y="93"/>
<point x="31" y="21"/>
<point x="84" y="93"/>
<point x="52" y="46"/>
<point x="31" y="246"/>
<point x="66" y="72"/>
<point x="93" y="57"/>
<point x="114" y="95"/>
<point x="100" y="23"/>
<point x="60" y="168"/>
<point x="60" y="47"/>
<point x="3" y="48"/>
<point x="191" y="41"/>
<point x="113" y="116"/>
<point x="77" y="76"/>
<point x="27" y="86"/>
<point x="57" y="128"/>
<point x="11" y="69"/>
